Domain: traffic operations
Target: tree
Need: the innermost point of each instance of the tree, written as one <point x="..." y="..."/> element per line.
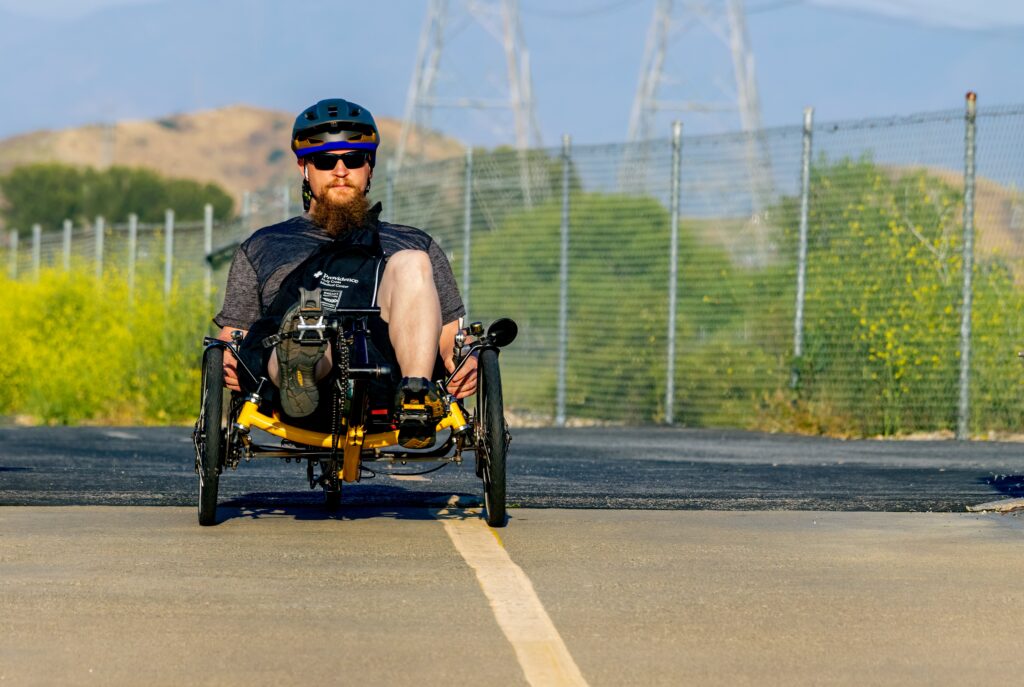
<point x="617" y="301"/>
<point x="49" y="193"/>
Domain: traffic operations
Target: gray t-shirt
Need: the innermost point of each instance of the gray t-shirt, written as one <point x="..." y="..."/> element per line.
<point x="264" y="259"/>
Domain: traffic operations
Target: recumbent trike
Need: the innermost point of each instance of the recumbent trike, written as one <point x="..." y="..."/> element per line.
<point x="359" y="432"/>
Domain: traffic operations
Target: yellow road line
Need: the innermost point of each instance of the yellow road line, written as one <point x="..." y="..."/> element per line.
<point x="542" y="654"/>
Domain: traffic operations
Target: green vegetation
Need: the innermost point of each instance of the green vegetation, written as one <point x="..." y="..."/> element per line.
<point x="49" y="193"/>
<point x="76" y="357"/>
<point x="618" y="314"/>
<point x="884" y="298"/>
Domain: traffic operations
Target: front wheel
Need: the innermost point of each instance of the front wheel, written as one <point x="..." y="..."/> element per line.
<point x="211" y="439"/>
<point x="491" y="436"/>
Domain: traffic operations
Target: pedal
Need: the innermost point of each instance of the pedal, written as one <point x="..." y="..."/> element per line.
<point x="415" y="414"/>
<point x="418" y="411"/>
<point x="416" y="427"/>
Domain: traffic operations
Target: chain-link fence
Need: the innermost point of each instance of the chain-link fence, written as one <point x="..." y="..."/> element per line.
<point x="800" y="278"/>
<point x="168" y="251"/>
<point x="664" y="282"/>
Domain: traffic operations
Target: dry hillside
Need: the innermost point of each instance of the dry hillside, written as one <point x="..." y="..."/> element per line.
<point x="998" y="215"/>
<point x="239" y="147"/>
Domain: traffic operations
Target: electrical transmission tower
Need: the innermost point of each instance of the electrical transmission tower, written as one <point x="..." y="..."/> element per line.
<point x="500" y="20"/>
<point x="726" y="21"/>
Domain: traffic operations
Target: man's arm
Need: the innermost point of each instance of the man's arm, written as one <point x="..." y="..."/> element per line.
<point x="230" y="364"/>
<point x="464" y="383"/>
<point x="241" y="304"/>
<point x="452" y="310"/>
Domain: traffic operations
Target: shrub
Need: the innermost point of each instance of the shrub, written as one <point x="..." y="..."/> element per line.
<point x="85" y="351"/>
<point x="884" y="303"/>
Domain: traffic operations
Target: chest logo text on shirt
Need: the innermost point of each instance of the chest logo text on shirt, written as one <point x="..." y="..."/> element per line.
<point x="332" y="288"/>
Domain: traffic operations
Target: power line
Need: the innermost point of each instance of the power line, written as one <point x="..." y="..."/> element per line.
<point x="594" y="11"/>
<point x="772" y="6"/>
<point x="616" y="5"/>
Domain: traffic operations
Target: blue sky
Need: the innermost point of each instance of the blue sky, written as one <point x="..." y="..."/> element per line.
<point x="81" y="61"/>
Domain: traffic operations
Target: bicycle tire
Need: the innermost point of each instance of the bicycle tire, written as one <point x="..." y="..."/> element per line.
<point x="212" y="435"/>
<point x="492" y="432"/>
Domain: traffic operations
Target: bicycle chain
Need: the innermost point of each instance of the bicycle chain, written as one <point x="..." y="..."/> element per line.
<point x="341" y="357"/>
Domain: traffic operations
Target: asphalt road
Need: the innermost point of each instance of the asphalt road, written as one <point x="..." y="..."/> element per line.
<point x="618" y="468"/>
<point x="380" y="596"/>
<point x="632" y="557"/>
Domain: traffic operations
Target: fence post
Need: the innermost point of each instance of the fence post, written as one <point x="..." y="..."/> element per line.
<point x="673" y="271"/>
<point x="67" y="244"/>
<point x="13" y="259"/>
<point x="133" y="243"/>
<point x="563" y="296"/>
<point x="168" y="250"/>
<point x="100" y="227"/>
<point x="467" y="227"/>
<point x="37" y="250"/>
<point x="208" y="248"/>
<point x="801" y="264"/>
<point x="962" y="428"/>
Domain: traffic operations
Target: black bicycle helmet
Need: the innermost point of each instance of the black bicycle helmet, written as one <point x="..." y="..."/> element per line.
<point x="335" y="124"/>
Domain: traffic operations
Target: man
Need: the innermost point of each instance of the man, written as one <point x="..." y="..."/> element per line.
<point x="335" y="143"/>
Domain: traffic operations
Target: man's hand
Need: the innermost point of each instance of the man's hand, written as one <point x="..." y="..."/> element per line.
<point x="464" y="383"/>
<point x="230" y="364"/>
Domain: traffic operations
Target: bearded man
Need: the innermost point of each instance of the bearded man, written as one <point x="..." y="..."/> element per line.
<point x="335" y="142"/>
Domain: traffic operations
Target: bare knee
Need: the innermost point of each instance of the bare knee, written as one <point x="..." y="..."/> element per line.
<point x="408" y="273"/>
<point x="409" y="266"/>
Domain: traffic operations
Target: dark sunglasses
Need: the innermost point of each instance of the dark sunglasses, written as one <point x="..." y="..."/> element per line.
<point x="325" y="162"/>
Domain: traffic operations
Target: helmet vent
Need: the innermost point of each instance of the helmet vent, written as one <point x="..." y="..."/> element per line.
<point x="310" y="115"/>
<point x="354" y="112"/>
<point x="332" y="110"/>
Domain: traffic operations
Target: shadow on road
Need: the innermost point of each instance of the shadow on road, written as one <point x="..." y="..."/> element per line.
<point x="366" y="502"/>
<point x="1008" y="485"/>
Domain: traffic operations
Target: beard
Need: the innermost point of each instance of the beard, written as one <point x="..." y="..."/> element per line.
<point x="340" y="216"/>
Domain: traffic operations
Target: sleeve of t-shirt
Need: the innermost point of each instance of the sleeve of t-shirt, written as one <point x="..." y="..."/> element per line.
<point x="241" y="295"/>
<point x="452" y="307"/>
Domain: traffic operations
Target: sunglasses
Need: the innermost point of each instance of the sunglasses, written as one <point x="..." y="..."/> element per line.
<point x="325" y="162"/>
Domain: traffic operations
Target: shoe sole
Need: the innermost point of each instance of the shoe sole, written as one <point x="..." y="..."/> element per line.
<point x="296" y="362"/>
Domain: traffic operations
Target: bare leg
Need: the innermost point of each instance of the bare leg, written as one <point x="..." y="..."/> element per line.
<point x="410" y="305"/>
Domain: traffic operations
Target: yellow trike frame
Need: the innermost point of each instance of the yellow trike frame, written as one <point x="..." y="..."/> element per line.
<point x="351" y="445"/>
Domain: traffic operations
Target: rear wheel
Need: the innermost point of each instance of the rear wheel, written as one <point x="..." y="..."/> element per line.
<point x="492" y="436"/>
<point x="211" y="440"/>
